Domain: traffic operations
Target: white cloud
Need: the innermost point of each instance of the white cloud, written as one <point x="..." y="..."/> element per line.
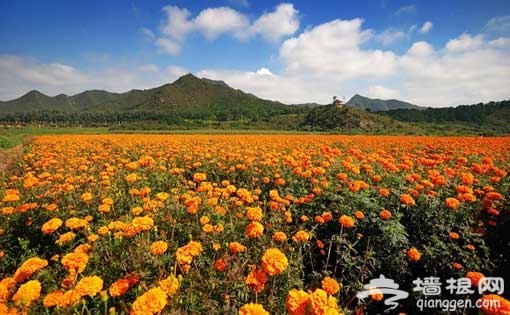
<point x="382" y="92"/>
<point x="420" y="49"/>
<point x="277" y="24"/>
<point x="407" y="9"/>
<point x="464" y="42"/>
<point x="20" y="75"/>
<point x="147" y="33"/>
<point x="176" y="25"/>
<point x="264" y="71"/>
<point x="426" y="27"/>
<point x="498" y="24"/>
<point x="389" y="36"/>
<point x="169" y="46"/>
<point x="333" y="50"/>
<point x="502" y="42"/>
<point x="213" y="22"/>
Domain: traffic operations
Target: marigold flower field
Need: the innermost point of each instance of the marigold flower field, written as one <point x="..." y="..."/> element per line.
<point x="248" y="224"/>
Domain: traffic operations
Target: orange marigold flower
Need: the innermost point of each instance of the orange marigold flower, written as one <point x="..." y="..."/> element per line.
<point x="453" y="235"/>
<point x="492" y="304"/>
<point x="89" y="286"/>
<point x="321" y="303"/>
<point x="236" y="247"/>
<point x="407" y="200"/>
<point x="457" y="266"/>
<point x="252" y="309"/>
<point x="119" y="287"/>
<point x="470" y="247"/>
<point x="28" y="268"/>
<point x="384" y="192"/>
<point x="359" y="215"/>
<point x="52" y="298"/>
<point x="279" y="236"/>
<point x="76" y="223"/>
<point x="170" y="285"/>
<point x="327" y="216"/>
<point x="151" y="302"/>
<point x="385" y="214"/>
<point x="254" y="213"/>
<point x="159" y="247"/>
<point x="297" y="302"/>
<point x="51" y="226"/>
<point x="494" y="195"/>
<point x="376" y="294"/>
<point x="254" y="229"/>
<point x="274" y="261"/>
<point x="475" y="277"/>
<point x="301" y="236"/>
<point x="413" y="254"/>
<point x="256" y="280"/>
<point x="346" y="221"/>
<point x="75" y="262"/>
<point x="27" y="293"/>
<point x="452" y="203"/>
<point x="70" y="298"/>
<point x="330" y="285"/>
<point x="86" y="197"/>
<point x="220" y="265"/>
<point x="186" y="253"/>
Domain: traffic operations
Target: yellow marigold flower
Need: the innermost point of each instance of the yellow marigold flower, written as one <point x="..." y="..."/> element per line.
<point x="236" y="247"/>
<point x="7" y="210"/>
<point x="10" y="197"/>
<point x="83" y="248"/>
<point x="297" y="302"/>
<point x="86" y="197"/>
<point x="256" y="280"/>
<point x="186" y="253"/>
<point x="274" y="261"/>
<point x="89" y="286"/>
<point x="70" y="298"/>
<point x="6" y="285"/>
<point x="254" y="213"/>
<point x="28" y="268"/>
<point x="162" y="196"/>
<point x="143" y="223"/>
<point x="52" y="298"/>
<point x="159" y="247"/>
<point x="492" y="304"/>
<point x="330" y="285"/>
<point x="252" y="309"/>
<point x="170" y="285"/>
<point x="104" y="208"/>
<point x="27" y="293"/>
<point x="131" y="178"/>
<point x="151" y="302"/>
<point x="321" y="303"/>
<point x="51" y="226"/>
<point x="75" y="262"/>
<point x="103" y="231"/>
<point x="254" y="229"/>
<point x="346" y="221"/>
<point x="92" y="238"/>
<point x="301" y="236"/>
<point x="413" y="254"/>
<point x="199" y="177"/>
<point x="76" y="223"/>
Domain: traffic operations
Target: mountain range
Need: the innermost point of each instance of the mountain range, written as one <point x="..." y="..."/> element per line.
<point x="192" y="102"/>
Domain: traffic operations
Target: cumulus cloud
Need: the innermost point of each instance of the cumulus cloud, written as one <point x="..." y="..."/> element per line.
<point x="214" y="22"/>
<point x="277" y="24"/>
<point x="502" y="42"/>
<point x="464" y="42"/>
<point x="382" y="92"/>
<point x="389" y="36"/>
<point x="426" y="27"/>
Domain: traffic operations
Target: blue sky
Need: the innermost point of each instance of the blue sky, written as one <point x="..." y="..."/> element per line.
<point x="432" y="53"/>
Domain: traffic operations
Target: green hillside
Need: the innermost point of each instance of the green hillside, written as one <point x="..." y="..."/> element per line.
<point x="377" y="105"/>
<point x="349" y="119"/>
<point x="36" y="101"/>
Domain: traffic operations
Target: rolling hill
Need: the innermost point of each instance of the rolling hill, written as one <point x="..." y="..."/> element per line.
<point x="377" y="105"/>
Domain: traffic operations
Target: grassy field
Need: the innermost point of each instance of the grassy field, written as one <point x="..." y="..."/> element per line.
<point x="11" y="137"/>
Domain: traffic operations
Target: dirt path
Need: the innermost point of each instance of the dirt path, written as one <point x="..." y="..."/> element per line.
<point x="8" y="156"/>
